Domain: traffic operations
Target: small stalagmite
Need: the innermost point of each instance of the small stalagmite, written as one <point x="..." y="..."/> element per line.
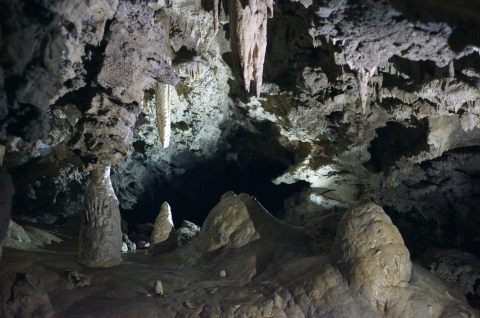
<point x="163" y="225"/>
<point x="158" y="287"/>
<point x="100" y="232"/>
<point x="162" y="104"/>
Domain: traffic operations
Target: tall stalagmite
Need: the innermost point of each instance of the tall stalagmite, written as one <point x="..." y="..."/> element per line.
<point x="248" y="29"/>
<point x="100" y="234"/>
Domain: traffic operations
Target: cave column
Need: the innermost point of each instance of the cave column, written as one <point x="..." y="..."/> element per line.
<point x="100" y="242"/>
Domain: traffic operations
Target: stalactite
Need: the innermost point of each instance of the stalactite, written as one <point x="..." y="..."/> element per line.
<point x="100" y="242"/>
<point x="363" y="78"/>
<point x="162" y="104"/>
<point x="216" y="15"/>
<point x="451" y="69"/>
<point x="248" y="36"/>
<point x="193" y="69"/>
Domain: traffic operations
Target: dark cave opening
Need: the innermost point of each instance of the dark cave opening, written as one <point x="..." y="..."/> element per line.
<point x="193" y="194"/>
<point x="445" y="213"/>
<point x="395" y="141"/>
<point x="248" y="165"/>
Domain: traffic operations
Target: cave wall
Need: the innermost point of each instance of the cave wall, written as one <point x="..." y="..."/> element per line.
<point x="363" y="99"/>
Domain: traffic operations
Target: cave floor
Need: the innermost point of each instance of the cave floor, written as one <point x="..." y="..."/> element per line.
<point x="122" y="291"/>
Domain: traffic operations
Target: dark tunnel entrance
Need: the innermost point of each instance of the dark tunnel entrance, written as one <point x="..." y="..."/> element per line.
<point x="193" y="194"/>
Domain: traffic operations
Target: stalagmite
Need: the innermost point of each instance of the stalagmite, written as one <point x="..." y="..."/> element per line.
<point x="100" y="233"/>
<point x="163" y="225"/>
<point x="162" y="104"/>
<point x="158" y="287"/>
<point x="248" y="36"/>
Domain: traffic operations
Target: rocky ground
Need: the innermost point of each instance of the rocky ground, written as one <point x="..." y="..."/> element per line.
<point x="243" y="263"/>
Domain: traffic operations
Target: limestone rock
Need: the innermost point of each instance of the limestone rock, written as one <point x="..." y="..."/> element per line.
<point x="78" y="279"/>
<point x="233" y="223"/>
<point x="106" y="132"/>
<point x="369" y="251"/>
<point x="27" y="299"/>
<point x="163" y="225"/>
<point x="100" y="241"/>
<point x="47" y="55"/>
<point x="186" y="233"/>
<point x="28" y="237"/>
<point x="133" y="64"/>
<point x="131" y="246"/>
<point x="238" y="220"/>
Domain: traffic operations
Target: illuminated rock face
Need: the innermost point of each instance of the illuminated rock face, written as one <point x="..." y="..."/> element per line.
<point x="100" y="241"/>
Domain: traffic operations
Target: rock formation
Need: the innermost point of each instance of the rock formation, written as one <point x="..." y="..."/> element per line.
<point x="100" y="242"/>
<point x="163" y="225"/>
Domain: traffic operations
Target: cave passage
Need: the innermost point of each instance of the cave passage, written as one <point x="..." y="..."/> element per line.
<point x="193" y="194"/>
<point x="396" y="140"/>
<point x="248" y="164"/>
